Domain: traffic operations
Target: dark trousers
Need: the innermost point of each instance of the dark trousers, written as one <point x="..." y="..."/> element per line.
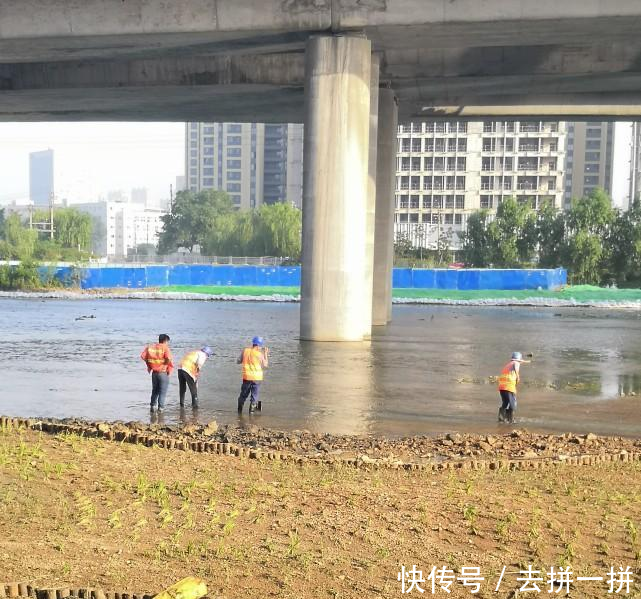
<point x="248" y="388"/>
<point x="184" y="381"/>
<point x="508" y="406"/>
<point x="159" y="386"/>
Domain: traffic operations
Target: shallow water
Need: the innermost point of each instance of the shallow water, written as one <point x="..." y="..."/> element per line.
<point x="425" y="373"/>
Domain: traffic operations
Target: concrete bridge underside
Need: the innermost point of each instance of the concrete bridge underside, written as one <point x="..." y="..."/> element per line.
<point x="347" y="69"/>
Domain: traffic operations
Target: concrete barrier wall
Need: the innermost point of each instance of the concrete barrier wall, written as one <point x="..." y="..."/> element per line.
<point x="142" y="277"/>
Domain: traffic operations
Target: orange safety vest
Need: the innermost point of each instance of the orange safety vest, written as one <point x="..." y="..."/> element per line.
<point x="252" y="364"/>
<point x="158" y="357"/>
<point x="508" y="378"/>
<point x="189" y="363"/>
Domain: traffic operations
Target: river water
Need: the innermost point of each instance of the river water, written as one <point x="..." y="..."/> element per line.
<point x="425" y="373"/>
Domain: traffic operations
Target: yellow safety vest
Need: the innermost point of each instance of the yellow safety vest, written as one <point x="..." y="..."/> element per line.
<point x="189" y="363"/>
<point x="252" y="364"/>
<point x="508" y="378"/>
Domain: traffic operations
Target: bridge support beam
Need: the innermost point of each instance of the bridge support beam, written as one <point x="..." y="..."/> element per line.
<point x="384" y="229"/>
<point x="335" y="175"/>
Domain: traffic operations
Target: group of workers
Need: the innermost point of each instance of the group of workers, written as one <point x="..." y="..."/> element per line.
<point x="160" y="363"/>
<point x="254" y="359"/>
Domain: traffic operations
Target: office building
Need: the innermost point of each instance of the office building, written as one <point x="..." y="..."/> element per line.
<point x="447" y="170"/>
<point x="255" y="163"/>
<point x="41" y="177"/>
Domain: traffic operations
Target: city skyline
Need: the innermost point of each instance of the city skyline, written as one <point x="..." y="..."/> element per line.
<point x="93" y="159"/>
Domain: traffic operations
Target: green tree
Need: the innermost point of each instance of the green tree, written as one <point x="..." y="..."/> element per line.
<point x="477" y="247"/>
<point x="278" y="230"/>
<point x="19" y="241"/>
<point x="550" y="228"/>
<point x="624" y="246"/>
<point x="512" y="234"/>
<point x="193" y="219"/>
<point x="588" y="224"/>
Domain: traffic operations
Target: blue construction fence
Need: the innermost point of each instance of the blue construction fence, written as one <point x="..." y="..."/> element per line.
<point x="141" y="277"/>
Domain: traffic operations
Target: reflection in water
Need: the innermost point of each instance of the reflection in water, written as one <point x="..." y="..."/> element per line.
<point x="429" y="371"/>
<point x="338" y="385"/>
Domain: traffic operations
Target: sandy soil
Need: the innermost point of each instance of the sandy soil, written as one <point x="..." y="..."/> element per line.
<point x="87" y="512"/>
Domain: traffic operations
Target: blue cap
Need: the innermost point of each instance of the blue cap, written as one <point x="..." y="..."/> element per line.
<point x="517" y="356"/>
<point x="258" y="341"/>
<point x="207" y="350"/>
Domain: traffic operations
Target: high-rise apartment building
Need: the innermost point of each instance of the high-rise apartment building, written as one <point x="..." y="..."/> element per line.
<point x="589" y="159"/>
<point x="41" y="177"/>
<point x="255" y="163"/>
<point x="448" y="169"/>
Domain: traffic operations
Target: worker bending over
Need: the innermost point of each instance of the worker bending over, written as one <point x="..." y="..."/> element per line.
<point x="190" y="367"/>
<point x="508" y="380"/>
<point x="160" y="363"/>
<point x="253" y="359"/>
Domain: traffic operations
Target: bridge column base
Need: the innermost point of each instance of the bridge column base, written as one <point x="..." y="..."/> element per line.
<point x="335" y="188"/>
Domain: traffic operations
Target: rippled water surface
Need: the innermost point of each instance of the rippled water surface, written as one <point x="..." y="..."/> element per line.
<point x="426" y="372"/>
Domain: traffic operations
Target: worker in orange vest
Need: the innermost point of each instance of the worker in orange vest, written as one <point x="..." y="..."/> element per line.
<point x="253" y="359"/>
<point x="508" y="380"/>
<point x="160" y="363"/>
<point x="188" y="371"/>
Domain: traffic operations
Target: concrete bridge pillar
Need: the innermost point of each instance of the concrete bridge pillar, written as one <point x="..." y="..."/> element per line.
<point x="384" y="228"/>
<point x="335" y="188"/>
<point x="371" y="198"/>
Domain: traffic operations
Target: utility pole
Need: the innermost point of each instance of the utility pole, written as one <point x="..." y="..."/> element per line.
<point x="47" y="225"/>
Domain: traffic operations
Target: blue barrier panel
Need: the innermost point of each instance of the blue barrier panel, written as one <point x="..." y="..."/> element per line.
<point x="468" y="279"/>
<point x="402" y="278"/>
<point x="445" y="279"/>
<point x="157" y="276"/>
<point x="424" y="278"/>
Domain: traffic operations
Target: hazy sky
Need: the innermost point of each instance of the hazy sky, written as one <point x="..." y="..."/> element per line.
<point x="91" y="159"/>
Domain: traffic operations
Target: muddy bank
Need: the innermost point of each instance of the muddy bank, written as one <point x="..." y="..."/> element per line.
<point x="514" y="444"/>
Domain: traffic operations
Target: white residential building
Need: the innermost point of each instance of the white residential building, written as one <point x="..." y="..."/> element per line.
<point x="447" y="170"/>
<point x="121" y="226"/>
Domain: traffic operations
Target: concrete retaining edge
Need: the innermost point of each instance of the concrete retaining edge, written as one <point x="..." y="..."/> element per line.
<point x="15" y="590"/>
<point x="93" y="430"/>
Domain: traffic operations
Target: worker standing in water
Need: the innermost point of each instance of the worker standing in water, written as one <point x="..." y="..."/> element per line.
<point x="188" y="372"/>
<point x="254" y="359"/>
<point x="160" y="363"/>
<point x="508" y="380"/>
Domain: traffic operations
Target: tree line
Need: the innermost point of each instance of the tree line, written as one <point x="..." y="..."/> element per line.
<point x="597" y="243"/>
<point x="71" y="237"/>
<point x="208" y="219"/>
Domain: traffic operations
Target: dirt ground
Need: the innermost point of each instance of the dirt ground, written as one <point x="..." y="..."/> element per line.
<point x="82" y="512"/>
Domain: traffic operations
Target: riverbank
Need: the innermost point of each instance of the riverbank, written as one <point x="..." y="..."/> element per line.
<point x="131" y="518"/>
<point x="578" y="295"/>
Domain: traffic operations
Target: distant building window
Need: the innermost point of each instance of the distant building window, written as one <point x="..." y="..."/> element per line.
<point x="234" y="164"/>
<point x="208" y="161"/>
<point x="208" y="172"/>
<point x="592" y="156"/>
<point x="235" y="199"/>
<point x="414" y="202"/>
<point x="233" y="152"/>
<point x="233" y="175"/>
<point x="458" y="219"/>
<point x="402" y="218"/>
<point x="234" y="140"/>
<point x="449" y="219"/>
<point x="591" y="180"/>
<point x="208" y="182"/>
<point x="193" y="153"/>
<point x="233" y="187"/>
<point x="234" y="128"/>
<point x="208" y="130"/>
<point x="208" y="151"/>
<point x="192" y="162"/>
<point x="208" y="141"/>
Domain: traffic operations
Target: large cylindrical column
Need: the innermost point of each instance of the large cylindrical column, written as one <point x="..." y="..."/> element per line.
<point x="370" y="210"/>
<point x="336" y="151"/>
<point x="384" y="229"/>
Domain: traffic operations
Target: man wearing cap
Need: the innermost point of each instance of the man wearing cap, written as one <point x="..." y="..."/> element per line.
<point x="188" y="371"/>
<point x="159" y="361"/>
<point x="253" y="359"/>
<point x="508" y="379"/>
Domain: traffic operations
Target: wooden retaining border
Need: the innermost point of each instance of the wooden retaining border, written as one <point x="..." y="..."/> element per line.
<point x="230" y="449"/>
<point x="20" y="590"/>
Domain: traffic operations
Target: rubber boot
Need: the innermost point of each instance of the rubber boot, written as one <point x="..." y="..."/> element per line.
<point x="241" y="403"/>
<point x="509" y="415"/>
<point x="502" y="414"/>
<point x="252" y="407"/>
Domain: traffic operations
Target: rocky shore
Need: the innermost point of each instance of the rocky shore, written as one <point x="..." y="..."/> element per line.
<point x="516" y="444"/>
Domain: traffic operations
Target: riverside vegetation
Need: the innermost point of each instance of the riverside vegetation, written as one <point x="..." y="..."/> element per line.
<point x="128" y="517"/>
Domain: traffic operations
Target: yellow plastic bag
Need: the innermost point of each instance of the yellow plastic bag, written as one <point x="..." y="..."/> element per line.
<point x="187" y="588"/>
